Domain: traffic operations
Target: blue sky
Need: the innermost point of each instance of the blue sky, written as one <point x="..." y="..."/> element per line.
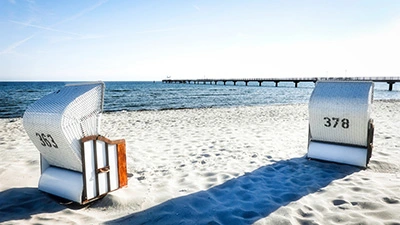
<point x="150" y="40"/>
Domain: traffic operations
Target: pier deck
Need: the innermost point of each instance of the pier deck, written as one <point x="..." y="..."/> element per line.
<point x="389" y="80"/>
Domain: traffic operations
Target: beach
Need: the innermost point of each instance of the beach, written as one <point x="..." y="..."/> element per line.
<point x="237" y="165"/>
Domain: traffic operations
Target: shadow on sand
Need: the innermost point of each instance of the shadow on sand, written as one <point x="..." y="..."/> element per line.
<point x="245" y="199"/>
<point x="23" y="203"/>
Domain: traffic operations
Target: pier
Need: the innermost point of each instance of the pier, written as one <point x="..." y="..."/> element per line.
<point x="389" y="80"/>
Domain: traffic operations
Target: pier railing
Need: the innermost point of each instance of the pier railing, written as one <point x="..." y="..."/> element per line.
<point x="389" y="80"/>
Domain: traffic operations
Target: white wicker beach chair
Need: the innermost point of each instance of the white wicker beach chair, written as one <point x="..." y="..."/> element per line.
<point x="340" y="127"/>
<point x="76" y="163"/>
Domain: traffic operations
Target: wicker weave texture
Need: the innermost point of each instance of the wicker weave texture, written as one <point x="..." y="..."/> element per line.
<point x="56" y="122"/>
<point x="339" y="112"/>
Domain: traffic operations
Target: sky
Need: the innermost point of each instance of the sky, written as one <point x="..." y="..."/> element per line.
<point x="146" y="40"/>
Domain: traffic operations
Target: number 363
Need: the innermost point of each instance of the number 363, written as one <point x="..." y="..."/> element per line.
<point x="47" y="140"/>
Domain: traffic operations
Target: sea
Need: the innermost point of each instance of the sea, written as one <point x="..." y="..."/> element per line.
<point x="15" y="97"/>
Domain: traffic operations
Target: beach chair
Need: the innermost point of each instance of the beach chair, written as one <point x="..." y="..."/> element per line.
<point x="340" y="127"/>
<point x="76" y="162"/>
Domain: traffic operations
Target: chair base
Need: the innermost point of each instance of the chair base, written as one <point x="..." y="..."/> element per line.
<point x="104" y="171"/>
<point x="63" y="183"/>
<point x="342" y="153"/>
<point x="345" y="154"/>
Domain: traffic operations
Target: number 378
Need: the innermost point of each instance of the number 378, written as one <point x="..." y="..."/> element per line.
<point x="334" y="122"/>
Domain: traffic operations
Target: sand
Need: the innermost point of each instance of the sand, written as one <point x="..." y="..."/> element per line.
<point x="243" y="165"/>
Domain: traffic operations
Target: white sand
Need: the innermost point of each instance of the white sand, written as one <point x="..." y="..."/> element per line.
<point x="216" y="166"/>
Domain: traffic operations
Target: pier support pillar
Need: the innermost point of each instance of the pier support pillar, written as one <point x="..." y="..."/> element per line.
<point x="296" y="83"/>
<point x="259" y="83"/>
<point x="391" y="85"/>
<point x="234" y="82"/>
<point x="276" y="83"/>
<point x="224" y="82"/>
<point x="246" y="82"/>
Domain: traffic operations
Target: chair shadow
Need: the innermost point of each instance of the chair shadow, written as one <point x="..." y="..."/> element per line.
<point x="23" y="203"/>
<point x="245" y="199"/>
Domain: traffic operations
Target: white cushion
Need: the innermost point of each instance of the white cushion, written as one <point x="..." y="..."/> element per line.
<point x="63" y="183"/>
<point x="338" y="153"/>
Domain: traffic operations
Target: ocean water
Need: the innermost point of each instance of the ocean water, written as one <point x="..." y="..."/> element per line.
<point x="15" y="97"/>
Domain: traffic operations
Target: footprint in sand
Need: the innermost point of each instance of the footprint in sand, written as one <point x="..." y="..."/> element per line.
<point x="390" y="200"/>
<point x="367" y="205"/>
<point x="341" y="204"/>
<point x="305" y="214"/>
